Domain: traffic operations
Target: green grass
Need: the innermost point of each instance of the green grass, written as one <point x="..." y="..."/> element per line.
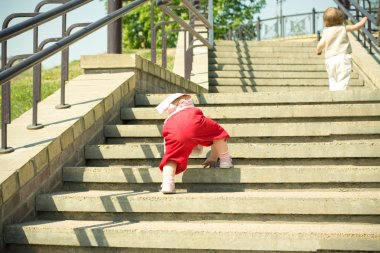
<point x="22" y="85"/>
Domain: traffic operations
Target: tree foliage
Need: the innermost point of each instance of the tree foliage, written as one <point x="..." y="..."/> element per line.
<point x="227" y="14"/>
<point x="232" y="13"/>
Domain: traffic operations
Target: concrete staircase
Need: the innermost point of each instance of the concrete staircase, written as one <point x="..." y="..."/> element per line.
<point x="269" y="66"/>
<point x="306" y="178"/>
<point x="306" y="175"/>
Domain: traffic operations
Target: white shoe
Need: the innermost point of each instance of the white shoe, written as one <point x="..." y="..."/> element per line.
<point x="168" y="188"/>
<point x="226" y="163"/>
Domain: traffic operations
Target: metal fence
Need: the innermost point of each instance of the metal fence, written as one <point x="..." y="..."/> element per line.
<point x="284" y="26"/>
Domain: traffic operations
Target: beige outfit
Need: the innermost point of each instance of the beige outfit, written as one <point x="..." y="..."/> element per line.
<point x="337" y="57"/>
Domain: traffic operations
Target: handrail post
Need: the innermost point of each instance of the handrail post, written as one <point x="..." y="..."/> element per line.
<point x="114" y="37"/>
<point x="164" y="43"/>
<point x="314" y="21"/>
<point x="64" y="67"/>
<point x="153" y="36"/>
<point x="378" y="24"/>
<point x="5" y="104"/>
<point x="36" y="85"/>
<point x="211" y="21"/>
<point x="258" y="28"/>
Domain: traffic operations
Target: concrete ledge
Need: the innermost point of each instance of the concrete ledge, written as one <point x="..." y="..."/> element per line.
<point x="265" y="112"/>
<point x="208" y="235"/>
<point x="107" y="63"/>
<point x="291" y="129"/>
<point x="341" y="150"/>
<point x="294" y="97"/>
<point x="237" y="175"/>
<point x="365" y="62"/>
<point x="281" y="202"/>
<point x="153" y="78"/>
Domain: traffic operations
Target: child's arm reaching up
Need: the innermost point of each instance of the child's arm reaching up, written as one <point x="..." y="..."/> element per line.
<point x="357" y="26"/>
<point x="321" y="46"/>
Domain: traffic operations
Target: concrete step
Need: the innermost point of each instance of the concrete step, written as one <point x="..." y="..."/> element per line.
<point x="268" y="67"/>
<point x="295" y="97"/>
<point x="293" y="44"/>
<point x="233" y="54"/>
<point x="321" y="150"/>
<point x="267" y="111"/>
<point x="272" y="75"/>
<point x="248" y="174"/>
<point x="224" y="235"/>
<point x="260" y="49"/>
<point x="288" y="129"/>
<point x="266" y="61"/>
<point x="285" y="89"/>
<point x="278" y="81"/>
<point x="282" y="202"/>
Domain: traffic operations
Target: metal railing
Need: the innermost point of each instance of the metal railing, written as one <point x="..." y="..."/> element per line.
<point x="14" y="66"/>
<point x="282" y="26"/>
<point x="190" y="27"/>
<point x="361" y="10"/>
<point x="59" y="45"/>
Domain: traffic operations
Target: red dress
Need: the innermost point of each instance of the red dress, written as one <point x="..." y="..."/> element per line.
<point x="183" y="131"/>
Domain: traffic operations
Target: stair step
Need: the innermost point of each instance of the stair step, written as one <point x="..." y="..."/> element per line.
<point x="288" y="129"/>
<point x="295" y="97"/>
<point x="278" y="82"/>
<point x="265" y="61"/>
<point x="268" y="67"/>
<point x="246" y="150"/>
<point x="282" y="202"/>
<point x="293" y="44"/>
<point x="266" y="112"/>
<point x="224" y="235"/>
<point x="260" y="49"/>
<point x="273" y="75"/>
<point x="260" y="89"/>
<point x="233" y="54"/>
<point x="237" y="175"/>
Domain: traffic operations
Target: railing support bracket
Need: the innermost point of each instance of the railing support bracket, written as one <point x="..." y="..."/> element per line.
<point x="35" y="127"/>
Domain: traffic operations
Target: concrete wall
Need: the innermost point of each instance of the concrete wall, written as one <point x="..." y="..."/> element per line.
<point x="153" y="78"/>
<point x="42" y="171"/>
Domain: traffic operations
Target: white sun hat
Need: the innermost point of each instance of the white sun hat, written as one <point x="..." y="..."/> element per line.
<point x="167" y="101"/>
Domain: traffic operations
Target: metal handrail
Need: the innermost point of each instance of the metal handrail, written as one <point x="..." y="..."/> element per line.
<point x="190" y="28"/>
<point x="288" y="16"/>
<point x="371" y="39"/>
<point x="36" y="58"/>
<point x="40" y="19"/>
<point x="185" y="25"/>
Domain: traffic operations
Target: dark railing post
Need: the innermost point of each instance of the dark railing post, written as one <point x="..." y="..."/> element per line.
<point x="153" y="33"/>
<point x="378" y="24"/>
<point x="164" y="42"/>
<point x="258" y="28"/>
<point x="64" y="67"/>
<point x="36" y="85"/>
<point x="314" y="21"/>
<point x="114" y="38"/>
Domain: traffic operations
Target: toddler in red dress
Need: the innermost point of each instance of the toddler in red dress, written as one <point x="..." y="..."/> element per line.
<point x="184" y="131"/>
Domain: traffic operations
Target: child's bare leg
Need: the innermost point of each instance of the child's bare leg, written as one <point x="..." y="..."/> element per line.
<point x="168" y="173"/>
<point x="219" y="149"/>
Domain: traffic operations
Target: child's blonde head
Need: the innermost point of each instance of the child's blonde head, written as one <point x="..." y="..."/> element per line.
<point x="333" y="17"/>
<point x="176" y="102"/>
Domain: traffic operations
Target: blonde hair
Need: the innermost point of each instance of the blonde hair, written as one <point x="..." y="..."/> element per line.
<point x="333" y="17"/>
<point x="176" y="102"/>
